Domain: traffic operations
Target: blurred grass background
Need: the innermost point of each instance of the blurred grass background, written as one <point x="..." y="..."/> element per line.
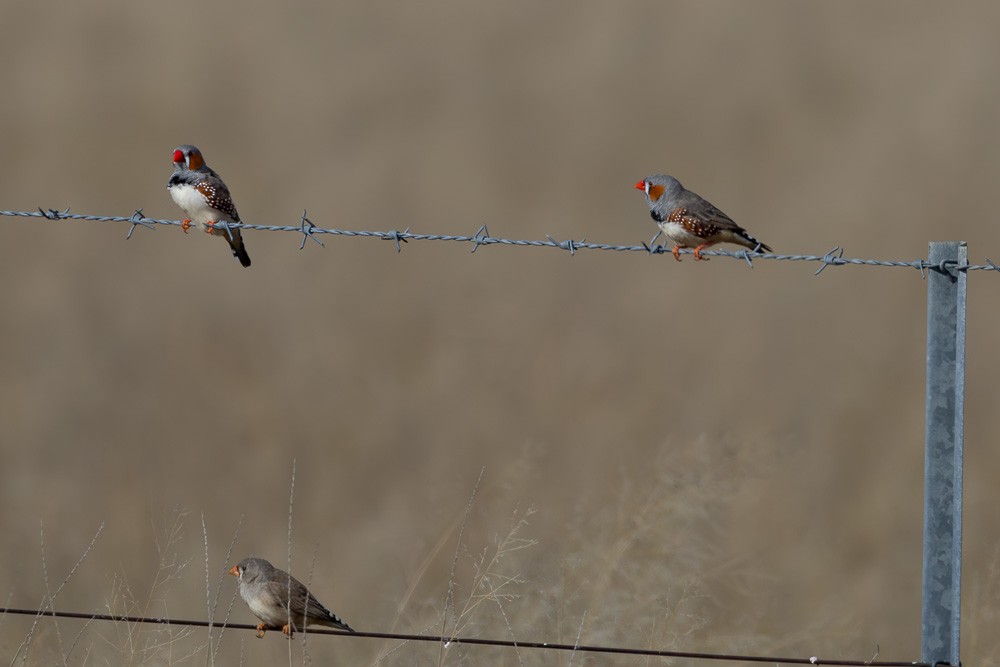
<point x="717" y="458"/>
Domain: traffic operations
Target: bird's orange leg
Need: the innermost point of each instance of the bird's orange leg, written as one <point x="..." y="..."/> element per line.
<point x="185" y="225"/>
<point x="210" y="226"/>
<point x="697" y="251"/>
<point x="677" y="252"/>
<point x="260" y="630"/>
<point x="287" y="630"/>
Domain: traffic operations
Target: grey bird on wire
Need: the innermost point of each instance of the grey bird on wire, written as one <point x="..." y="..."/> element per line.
<point x="280" y="600"/>
<point x="689" y="220"/>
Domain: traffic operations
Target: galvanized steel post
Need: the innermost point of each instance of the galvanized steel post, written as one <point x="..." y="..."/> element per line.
<point x="942" y="575"/>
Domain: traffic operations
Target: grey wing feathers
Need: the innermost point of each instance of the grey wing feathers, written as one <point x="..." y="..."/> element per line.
<point x="710" y="213"/>
<point x="305" y="604"/>
<point x="310" y="608"/>
<point x="279" y="586"/>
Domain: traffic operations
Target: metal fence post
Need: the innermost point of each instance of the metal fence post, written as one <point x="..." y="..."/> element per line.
<point x="942" y="575"/>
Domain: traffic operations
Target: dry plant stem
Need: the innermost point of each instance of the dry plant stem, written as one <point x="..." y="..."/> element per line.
<point x="490" y="583"/>
<point x="48" y="592"/>
<point x="119" y="589"/>
<point x="208" y="589"/>
<point x="579" y="636"/>
<point x="449" y="599"/>
<point x="306" y="658"/>
<point x="27" y="640"/>
<point x="169" y="568"/>
<point x="652" y="635"/>
<point x="218" y="590"/>
<point x="150" y="652"/>
<point x="417" y="578"/>
<point x="425" y="565"/>
<point x="288" y="617"/>
<point x="383" y="656"/>
<point x="312" y="569"/>
<point x="76" y="640"/>
<point x="486" y="572"/>
<point x="173" y="535"/>
<point x="510" y="630"/>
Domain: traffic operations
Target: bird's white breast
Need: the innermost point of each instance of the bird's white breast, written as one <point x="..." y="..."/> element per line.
<point x="194" y="204"/>
<point x="266" y="609"/>
<point x="679" y="235"/>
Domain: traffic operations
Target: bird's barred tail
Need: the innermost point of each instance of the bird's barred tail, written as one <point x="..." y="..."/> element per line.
<point x="338" y="622"/>
<point x="753" y="243"/>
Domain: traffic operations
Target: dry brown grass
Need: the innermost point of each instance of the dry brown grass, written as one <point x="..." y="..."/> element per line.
<point x="717" y="457"/>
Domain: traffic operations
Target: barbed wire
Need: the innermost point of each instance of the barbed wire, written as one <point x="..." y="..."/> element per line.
<point x="482" y="237"/>
<point x="478" y="641"/>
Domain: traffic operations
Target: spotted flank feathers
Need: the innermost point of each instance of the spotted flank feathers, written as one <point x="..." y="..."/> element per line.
<point x="708" y="231"/>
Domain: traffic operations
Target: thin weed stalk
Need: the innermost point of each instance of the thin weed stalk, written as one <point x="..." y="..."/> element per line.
<point x="25" y="645"/>
<point x="449" y="600"/>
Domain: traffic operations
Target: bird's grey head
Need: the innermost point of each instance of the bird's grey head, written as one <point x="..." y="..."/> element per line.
<point x="661" y="184"/>
<point x="249" y="569"/>
<point x="189" y="157"/>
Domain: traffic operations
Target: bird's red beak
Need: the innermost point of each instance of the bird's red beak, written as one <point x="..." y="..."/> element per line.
<point x="178" y="156"/>
<point x="234" y="570"/>
<point x="641" y="185"/>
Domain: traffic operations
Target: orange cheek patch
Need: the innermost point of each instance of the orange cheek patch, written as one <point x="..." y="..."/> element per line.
<point x="655" y="192"/>
<point x="195" y="161"/>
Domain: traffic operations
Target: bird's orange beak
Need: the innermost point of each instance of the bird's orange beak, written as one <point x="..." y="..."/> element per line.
<point x="234" y="571"/>
<point x="641" y="185"/>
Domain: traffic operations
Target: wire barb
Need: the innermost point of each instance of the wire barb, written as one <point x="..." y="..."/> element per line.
<point x="228" y="226"/>
<point x="397" y="237"/>
<point x="833" y="257"/>
<point x="481" y="237"/>
<point x="137" y="219"/>
<point x="652" y="248"/>
<point x="53" y="214"/>
<point x="568" y="244"/>
<point x="307" y="228"/>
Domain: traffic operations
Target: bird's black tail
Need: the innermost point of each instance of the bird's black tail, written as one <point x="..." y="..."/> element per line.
<point x="240" y="251"/>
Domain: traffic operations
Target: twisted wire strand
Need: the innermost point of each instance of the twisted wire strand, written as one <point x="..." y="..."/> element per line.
<point x="482" y="237"/>
<point x="479" y="641"/>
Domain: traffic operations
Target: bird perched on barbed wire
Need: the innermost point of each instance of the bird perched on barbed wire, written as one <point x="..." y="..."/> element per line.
<point x="205" y="199"/>
<point x="689" y="220"/>
<point x="280" y="600"/>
